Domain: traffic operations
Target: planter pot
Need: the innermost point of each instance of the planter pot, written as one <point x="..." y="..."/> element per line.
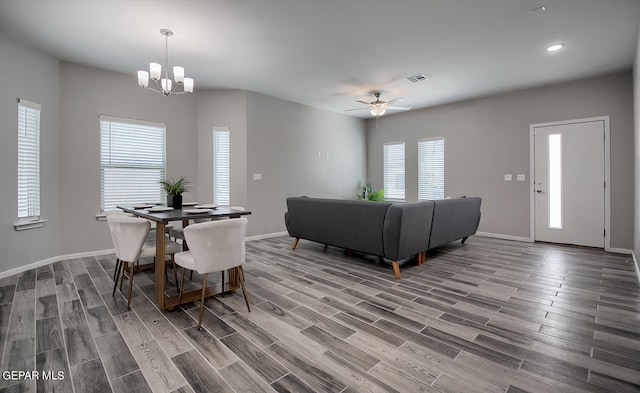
<point x="174" y="201"/>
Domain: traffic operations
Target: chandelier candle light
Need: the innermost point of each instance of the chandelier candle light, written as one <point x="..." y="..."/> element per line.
<point x="165" y="85"/>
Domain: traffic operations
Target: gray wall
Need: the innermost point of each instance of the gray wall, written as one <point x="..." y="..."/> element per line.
<point x="222" y="108"/>
<point x="277" y="138"/>
<point x="33" y="76"/>
<point x="86" y="93"/>
<point x="298" y="150"/>
<point x="281" y="140"/>
<point x="488" y="137"/>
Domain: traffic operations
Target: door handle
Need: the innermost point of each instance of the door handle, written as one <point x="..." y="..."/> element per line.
<point x="539" y="191"/>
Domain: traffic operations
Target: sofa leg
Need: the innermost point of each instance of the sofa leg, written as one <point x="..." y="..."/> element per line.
<point x="396" y="269"/>
<point x="295" y="243"/>
<point x="464" y="239"/>
<point x="421" y="257"/>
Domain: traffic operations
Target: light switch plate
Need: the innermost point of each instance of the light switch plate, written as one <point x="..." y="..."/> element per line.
<point x="521" y="177"/>
<point x="508" y="177"/>
<point x="257" y="176"/>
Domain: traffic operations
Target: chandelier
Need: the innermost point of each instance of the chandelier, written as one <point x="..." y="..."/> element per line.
<point x="165" y="85"/>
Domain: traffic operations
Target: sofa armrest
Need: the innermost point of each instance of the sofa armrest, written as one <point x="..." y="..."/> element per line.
<point x="406" y="230"/>
<point x="454" y="219"/>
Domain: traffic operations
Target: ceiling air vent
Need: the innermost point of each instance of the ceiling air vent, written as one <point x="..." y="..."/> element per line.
<point x="417" y="78"/>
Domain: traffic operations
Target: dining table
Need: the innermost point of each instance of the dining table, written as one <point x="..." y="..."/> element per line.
<point x="162" y="215"/>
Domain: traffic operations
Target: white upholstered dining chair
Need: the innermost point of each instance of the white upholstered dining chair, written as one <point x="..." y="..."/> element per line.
<point x="132" y="242"/>
<point x="129" y="235"/>
<point x="111" y="213"/>
<point x="178" y="233"/>
<point x="214" y="246"/>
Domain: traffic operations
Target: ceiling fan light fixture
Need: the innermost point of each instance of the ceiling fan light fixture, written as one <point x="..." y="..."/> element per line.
<point x="377" y="111"/>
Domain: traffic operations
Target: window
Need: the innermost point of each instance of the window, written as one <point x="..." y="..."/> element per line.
<point x="555" y="181"/>
<point x="431" y="168"/>
<point x="132" y="161"/>
<point x="28" y="161"/>
<point x="394" y="171"/>
<point x="221" y="189"/>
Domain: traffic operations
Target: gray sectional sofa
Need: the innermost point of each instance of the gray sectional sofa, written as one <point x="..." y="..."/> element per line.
<point x="394" y="231"/>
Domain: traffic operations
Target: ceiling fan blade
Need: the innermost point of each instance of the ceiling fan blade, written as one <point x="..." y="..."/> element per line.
<point x="399" y="108"/>
<point x="356" y="109"/>
<point x="399" y="99"/>
<point x="363" y="102"/>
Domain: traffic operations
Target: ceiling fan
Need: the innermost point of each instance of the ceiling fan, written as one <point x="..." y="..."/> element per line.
<point x="378" y="108"/>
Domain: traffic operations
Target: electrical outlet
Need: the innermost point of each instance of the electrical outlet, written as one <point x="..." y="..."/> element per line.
<point x="521" y="177"/>
<point x="508" y="177"/>
<point x="257" y="176"/>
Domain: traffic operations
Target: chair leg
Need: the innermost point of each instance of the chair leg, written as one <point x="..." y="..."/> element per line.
<point x="244" y="290"/>
<point x="181" y="288"/>
<point x="125" y="266"/>
<point x="204" y="289"/>
<point x="222" y="283"/>
<point x="175" y="270"/>
<point x="118" y="273"/>
<point x="115" y="271"/>
<point x="130" y="286"/>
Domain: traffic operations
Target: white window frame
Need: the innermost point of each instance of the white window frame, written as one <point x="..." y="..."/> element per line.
<point x="28" y="166"/>
<point x="394" y="171"/>
<point x="221" y="165"/>
<point x="431" y="169"/>
<point x="122" y="150"/>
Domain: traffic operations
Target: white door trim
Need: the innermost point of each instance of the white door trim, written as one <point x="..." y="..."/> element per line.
<point x="607" y="175"/>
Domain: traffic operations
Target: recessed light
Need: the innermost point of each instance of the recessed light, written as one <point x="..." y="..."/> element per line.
<point x="555" y="47"/>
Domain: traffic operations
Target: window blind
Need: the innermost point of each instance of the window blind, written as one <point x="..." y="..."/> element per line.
<point x="394" y="171"/>
<point x="431" y="168"/>
<point x="28" y="161"/>
<point x="221" y="167"/>
<point x="132" y="161"/>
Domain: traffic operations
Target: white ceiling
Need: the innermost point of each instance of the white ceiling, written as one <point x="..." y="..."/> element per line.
<point x="329" y="53"/>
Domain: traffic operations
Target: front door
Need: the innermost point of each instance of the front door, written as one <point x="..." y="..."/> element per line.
<point x="569" y="182"/>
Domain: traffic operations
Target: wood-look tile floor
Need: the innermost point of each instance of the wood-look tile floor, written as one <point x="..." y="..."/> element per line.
<point x="487" y="316"/>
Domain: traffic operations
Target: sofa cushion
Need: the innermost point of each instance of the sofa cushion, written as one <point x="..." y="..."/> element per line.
<point x="350" y="224"/>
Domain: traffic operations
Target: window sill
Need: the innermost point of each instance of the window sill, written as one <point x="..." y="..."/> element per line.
<point x="23" y="226"/>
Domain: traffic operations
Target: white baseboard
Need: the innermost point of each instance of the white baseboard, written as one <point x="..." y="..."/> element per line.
<point x="505" y="237"/>
<point x="59" y="258"/>
<point x="619" y="250"/>
<point x="635" y="261"/>
<point x="530" y="240"/>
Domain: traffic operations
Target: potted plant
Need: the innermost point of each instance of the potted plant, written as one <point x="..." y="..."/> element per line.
<point x="174" y="189"/>
<point x="377" y="196"/>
